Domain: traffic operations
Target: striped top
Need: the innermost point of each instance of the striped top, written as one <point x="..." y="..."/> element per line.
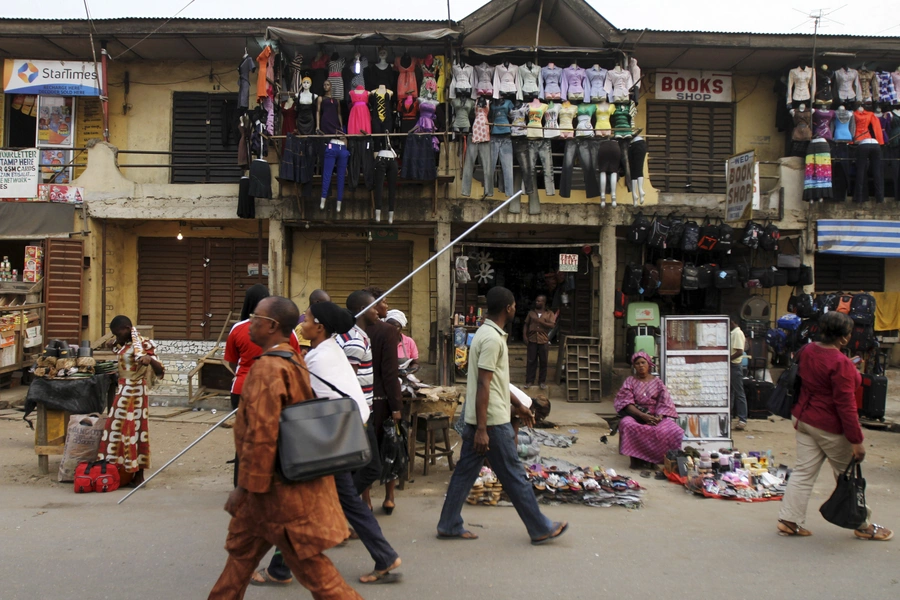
<point x="356" y="346"/>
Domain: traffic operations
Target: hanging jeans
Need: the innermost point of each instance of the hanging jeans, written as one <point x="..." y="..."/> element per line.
<point x="583" y="148"/>
<point x="540" y="149"/>
<point x="482" y="151"/>
<point x="385" y="167"/>
<point x="362" y="158"/>
<point x="892" y="168"/>
<point x="520" y="151"/>
<point x="840" y="170"/>
<point x="336" y="158"/>
<point x="868" y="158"/>
<point x="501" y="148"/>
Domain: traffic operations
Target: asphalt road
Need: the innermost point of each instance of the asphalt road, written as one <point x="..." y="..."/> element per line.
<point x="168" y="543"/>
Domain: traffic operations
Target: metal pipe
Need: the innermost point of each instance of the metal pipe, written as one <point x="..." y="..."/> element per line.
<point x="441" y="251"/>
<point x="104" y="57"/>
<point x="177" y="456"/>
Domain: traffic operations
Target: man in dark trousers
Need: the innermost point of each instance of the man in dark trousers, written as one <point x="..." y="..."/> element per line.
<point x="488" y="431"/>
<point x="386" y="401"/>
<point x="538" y="324"/>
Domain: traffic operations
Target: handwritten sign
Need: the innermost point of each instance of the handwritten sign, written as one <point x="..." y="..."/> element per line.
<point x="19" y="173"/>
<point x="740" y="171"/>
<point x="568" y="263"/>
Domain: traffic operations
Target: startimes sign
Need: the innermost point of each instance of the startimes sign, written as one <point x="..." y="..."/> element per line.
<point x="51" y="78"/>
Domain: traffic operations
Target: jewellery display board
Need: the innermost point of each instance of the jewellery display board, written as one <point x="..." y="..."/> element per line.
<point x="695" y="366"/>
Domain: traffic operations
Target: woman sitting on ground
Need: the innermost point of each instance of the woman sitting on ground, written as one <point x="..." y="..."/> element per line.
<point x="648" y="429"/>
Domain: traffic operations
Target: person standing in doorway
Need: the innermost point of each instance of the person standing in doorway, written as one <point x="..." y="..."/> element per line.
<point x="538" y="324"/>
<point x="738" y="397"/>
<point x="489" y="433"/>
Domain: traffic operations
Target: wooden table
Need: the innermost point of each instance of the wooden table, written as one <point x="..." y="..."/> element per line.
<point x="43" y="446"/>
<point x="412" y="408"/>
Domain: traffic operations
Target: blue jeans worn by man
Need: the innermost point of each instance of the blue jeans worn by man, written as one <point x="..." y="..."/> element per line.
<point x="738" y="396"/>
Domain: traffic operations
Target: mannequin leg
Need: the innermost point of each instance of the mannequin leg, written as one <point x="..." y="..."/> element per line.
<point x="506" y="165"/>
<point x="327" y="169"/>
<point x="613" y="177"/>
<point x="602" y="190"/>
<point x="547" y="166"/>
<point x="380" y="170"/>
<point x="565" y="182"/>
<point x="392" y="187"/>
<point x="468" y="169"/>
<point x="484" y="154"/>
<point x="588" y="168"/>
<point x="342" y="158"/>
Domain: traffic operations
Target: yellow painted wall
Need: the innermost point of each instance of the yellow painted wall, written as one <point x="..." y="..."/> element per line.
<point x="306" y="276"/>
<point x="892" y="275"/>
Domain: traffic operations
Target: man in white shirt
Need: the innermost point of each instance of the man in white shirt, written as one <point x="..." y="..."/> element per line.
<point x="738" y="396"/>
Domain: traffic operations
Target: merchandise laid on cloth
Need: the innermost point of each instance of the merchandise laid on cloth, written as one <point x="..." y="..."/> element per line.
<point x="728" y="474"/>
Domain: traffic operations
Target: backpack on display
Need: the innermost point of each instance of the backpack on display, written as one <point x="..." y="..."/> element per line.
<point x="767" y="278"/>
<point x="826" y="303"/>
<point x="743" y="274"/>
<point x="862" y="309"/>
<point x="690" y="237"/>
<point x="776" y="339"/>
<point x="670" y="275"/>
<point x="650" y="279"/>
<point x="725" y="279"/>
<point x="809" y="331"/>
<point x="862" y="338"/>
<point x="789" y="322"/>
<point x="631" y="282"/>
<point x="845" y="301"/>
<point x="806" y="275"/>
<point x="690" y="277"/>
<point x="803" y="305"/>
<point x="676" y="232"/>
<point x="621" y="303"/>
<point x="709" y="237"/>
<point x="770" y="237"/>
<point x="659" y="232"/>
<point x="640" y="229"/>
<point x="726" y="238"/>
<point x="779" y="278"/>
<point x="751" y="234"/>
<point x="705" y="275"/>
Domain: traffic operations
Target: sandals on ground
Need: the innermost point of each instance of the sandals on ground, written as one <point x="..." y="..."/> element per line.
<point x="787" y="529"/>
<point x="878" y="533"/>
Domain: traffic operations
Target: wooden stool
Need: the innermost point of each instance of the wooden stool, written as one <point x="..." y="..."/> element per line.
<point x="430" y="424"/>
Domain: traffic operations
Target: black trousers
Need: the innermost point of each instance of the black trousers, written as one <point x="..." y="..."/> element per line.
<point x="362" y="158"/>
<point x="581" y="146"/>
<point x="840" y="171"/>
<point x="385" y="168"/>
<point x="371" y="473"/>
<point x="868" y="159"/>
<point x="537" y="353"/>
<point x="637" y="152"/>
<point x="892" y="168"/>
<point x="235" y="400"/>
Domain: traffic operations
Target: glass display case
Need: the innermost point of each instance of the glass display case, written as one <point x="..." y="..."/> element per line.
<point x="695" y="366"/>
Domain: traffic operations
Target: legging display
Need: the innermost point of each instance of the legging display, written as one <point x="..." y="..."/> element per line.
<point x="637" y="154"/>
<point x="581" y="147"/>
<point x="336" y="158"/>
<point x="540" y="149"/>
<point x="526" y="170"/>
<point x="840" y="171"/>
<point x="385" y="168"/>
<point x="481" y="151"/>
<point x="868" y="159"/>
<point x="361" y="159"/>
<point x="501" y="149"/>
<point x="817" y="175"/>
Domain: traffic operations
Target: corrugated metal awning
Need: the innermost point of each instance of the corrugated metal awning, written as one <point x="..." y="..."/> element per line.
<point x="31" y="220"/>
<point x="859" y="238"/>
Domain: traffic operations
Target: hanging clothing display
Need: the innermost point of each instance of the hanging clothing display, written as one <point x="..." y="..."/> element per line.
<point x="869" y="162"/>
<point x="359" y="79"/>
<point x="481" y="131"/>
<point x="581" y="147"/>
<point x="801" y="83"/>
<point x="824" y="89"/>
<point x="550" y="83"/>
<point x="822" y="127"/>
<point x="887" y="91"/>
<point x="843" y="125"/>
<point x="429" y="79"/>
<point x="501" y="149"/>
<point x="246" y="67"/>
<point x="540" y="149"/>
<point x="329" y="121"/>
<point x="319" y="70"/>
<point x="802" y="131"/>
<point x="527" y="80"/>
<point x="296" y="74"/>
<point x="618" y="84"/>
<point x="336" y="76"/>
<point x="608" y="156"/>
<point x="463" y="79"/>
<point x="380" y="74"/>
<point x="572" y="83"/>
<point x="518" y="118"/>
<point x="482" y="152"/>
<point x="409" y="113"/>
<point x="440" y="72"/>
<point x="817" y="176"/>
<point x="603" y="124"/>
<point x="262" y="76"/>
<point x="847" y="83"/>
<point x="637" y="155"/>
<point x="867" y="127"/>
<point x="551" y="121"/>
<point x="506" y="80"/>
<point x="406" y="80"/>
<point x="526" y="174"/>
<point x="463" y="108"/>
<point x="335" y="163"/>
<point x="425" y="122"/>
<point x="868" y="85"/>
<point x="306" y="114"/>
<point x="362" y="160"/>
<point x="484" y="79"/>
<point x="360" y="120"/>
<point x="622" y="120"/>
<point x="500" y="116"/>
<point x="594" y="83"/>
<point x="583" y="125"/>
<point x="536" y="112"/>
<point x="380" y="104"/>
<point x="892" y="151"/>
<point x="566" y="120"/>
<point x="386" y="170"/>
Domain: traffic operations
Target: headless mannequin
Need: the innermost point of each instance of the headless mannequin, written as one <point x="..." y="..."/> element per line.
<point x="336" y="140"/>
<point x="637" y="183"/>
<point x="801" y="85"/>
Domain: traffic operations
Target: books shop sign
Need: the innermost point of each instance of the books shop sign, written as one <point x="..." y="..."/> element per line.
<point x="694" y="86"/>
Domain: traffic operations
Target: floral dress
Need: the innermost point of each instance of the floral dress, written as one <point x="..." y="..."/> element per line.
<point x="647" y="442"/>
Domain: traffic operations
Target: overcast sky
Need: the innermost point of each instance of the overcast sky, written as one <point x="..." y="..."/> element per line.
<point x="759" y="16"/>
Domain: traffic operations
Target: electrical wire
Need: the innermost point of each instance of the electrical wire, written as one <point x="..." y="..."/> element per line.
<point x="204" y="76"/>
<point x="163" y="24"/>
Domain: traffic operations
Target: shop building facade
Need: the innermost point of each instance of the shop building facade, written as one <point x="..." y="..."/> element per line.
<point x="164" y="243"/>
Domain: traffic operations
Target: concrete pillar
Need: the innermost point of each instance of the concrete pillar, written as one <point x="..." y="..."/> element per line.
<point x="607" y="292"/>
<point x="443" y="266"/>
<point x="276" y="258"/>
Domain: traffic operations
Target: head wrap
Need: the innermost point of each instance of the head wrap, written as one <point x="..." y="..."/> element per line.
<point x="643" y="355"/>
<point x="398" y="316"/>
<point x="332" y="317"/>
<point x="254" y="295"/>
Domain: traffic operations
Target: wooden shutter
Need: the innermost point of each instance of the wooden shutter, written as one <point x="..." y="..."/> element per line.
<point x="351" y="266"/>
<point x="198" y="120"/>
<point x="163" y="288"/>
<point x="64" y="269"/>
<point x="697" y="140"/>
<point x="837" y="273"/>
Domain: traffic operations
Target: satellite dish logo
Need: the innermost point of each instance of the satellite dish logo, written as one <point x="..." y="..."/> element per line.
<point x="28" y="72"/>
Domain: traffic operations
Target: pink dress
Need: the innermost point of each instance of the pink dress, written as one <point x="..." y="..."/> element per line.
<point x="647" y="442"/>
<point x="360" y="121"/>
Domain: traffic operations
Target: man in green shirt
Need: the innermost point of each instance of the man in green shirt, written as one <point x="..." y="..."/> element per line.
<point x="489" y="433"/>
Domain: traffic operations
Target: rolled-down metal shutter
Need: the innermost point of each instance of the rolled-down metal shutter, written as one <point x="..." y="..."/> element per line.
<point x="350" y="266"/>
<point x="64" y="267"/>
<point x="695" y="141"/>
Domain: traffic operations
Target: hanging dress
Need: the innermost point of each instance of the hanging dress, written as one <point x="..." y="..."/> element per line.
<point x="406" y="81"/>
<point x="336" y="77"/>
<point x="360" y="121"/>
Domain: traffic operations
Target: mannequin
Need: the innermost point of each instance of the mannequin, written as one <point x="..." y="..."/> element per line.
<point x="329" y="121"/>
<point x="501" y="143"/>
<point x="406" y="80"/>
<point x="844" y="125"/>
<point x="567" y="120"/>
<point x="385" y="168"/>
<point x="583" y="146"/>
<point x="868" y="85"/>
<point x="817" y="181"/>
<point x="635" y="71"/>
<point x="380" y="74"/>
<point x="361" y="148"/>
<point x="551" y="122"/>
<point x="539" y="148"/>
<point x="463" y="109"/>
<point x="637" y="154"/>
<point x="246" y="67"/>
<point x="618" y="84"/>
<point x="572" y="83"/>
<point x="802" y="131"/>
<point x="824" y="91"/>
<point x="306" y="108"/>
<point x="550" y="82"/>
<point x="409" y="113"/>
<point x="801" y="85"/>
<point x="604" y="111"/>
<point x="439" y="68"/>
<point x="527" y="78"/>
<point x="594" y="80"/>
<point x="518" y="118"/>
<point x="319" y="67"/>
<point x="609" y="155"/>
<point x="622" y="119"/>
<point x="847" y="83"/>
<point x="506" y="81"/>
<point x="479" y="147"/>
<point x="868" y="138"/>
<point x="484" y="79"/>
<point x="381" y="107"/>
<point x="462" y="77"/>
<point x="419" y="150"/>
<point x="335" y="75"/>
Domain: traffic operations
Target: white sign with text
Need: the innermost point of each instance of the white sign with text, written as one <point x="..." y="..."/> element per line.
<point x="695" y="86"/>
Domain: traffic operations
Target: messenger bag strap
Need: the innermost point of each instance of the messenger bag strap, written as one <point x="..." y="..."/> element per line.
<point x="289" y="356"/>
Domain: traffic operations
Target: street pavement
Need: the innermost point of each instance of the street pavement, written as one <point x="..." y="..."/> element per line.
<point x="168" y="544"/>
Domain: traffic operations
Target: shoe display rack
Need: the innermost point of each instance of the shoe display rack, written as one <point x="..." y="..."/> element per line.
<point x="696" y="367"/>
<point x="582" y="369"/>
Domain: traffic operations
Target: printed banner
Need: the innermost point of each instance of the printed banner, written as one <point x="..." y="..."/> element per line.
<point x="61" y="193"/>
<point x="54" y="126"/>
<point x="696" y="86"/>
<point x="740" y="175"/>
<point x="19" y="174"/>
<point x="568" y="263"/>
<point x="51" y="77"/>
<point x="859" y="237"/>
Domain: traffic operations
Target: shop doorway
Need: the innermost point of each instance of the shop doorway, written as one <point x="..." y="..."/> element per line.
<point x="528" y="273"/>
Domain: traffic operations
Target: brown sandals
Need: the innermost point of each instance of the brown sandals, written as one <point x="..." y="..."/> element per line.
<point x="787" y="529"/>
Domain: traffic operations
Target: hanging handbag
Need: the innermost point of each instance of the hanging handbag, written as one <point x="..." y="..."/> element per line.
<point x="847" y="505"/>
<point x="322" y="436"/>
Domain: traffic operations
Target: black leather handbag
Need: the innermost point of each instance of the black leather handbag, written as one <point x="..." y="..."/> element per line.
<point x="322" y="436"/>
<point x="847" y="505"/>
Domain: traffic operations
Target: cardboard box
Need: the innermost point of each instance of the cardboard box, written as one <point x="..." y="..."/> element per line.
<point x="31" y="342"/>
<point x="33" y="252"/>
<point x="7" y="340"/>
<point x="33" y="264"/>
<point x="31" y="276"/>
<point x="33" y="331"/>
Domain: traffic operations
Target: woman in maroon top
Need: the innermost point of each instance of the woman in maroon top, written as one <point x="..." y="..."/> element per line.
<point x="827" y="424"/>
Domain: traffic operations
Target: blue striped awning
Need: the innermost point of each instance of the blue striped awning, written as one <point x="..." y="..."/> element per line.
<point x="859" y="238"/>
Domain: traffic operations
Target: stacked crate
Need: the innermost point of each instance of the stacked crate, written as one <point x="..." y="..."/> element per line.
<point x="582" y="369"/>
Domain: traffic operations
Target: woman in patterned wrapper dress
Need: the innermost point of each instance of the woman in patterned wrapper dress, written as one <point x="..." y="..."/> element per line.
<point x="648" y="429"/>
<point x="126" y="438"/>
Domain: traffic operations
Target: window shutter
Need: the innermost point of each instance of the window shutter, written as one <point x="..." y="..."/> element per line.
<point x="836" y="273"/>
<point x="63" y="284"/>
<point x="198" y="124"/>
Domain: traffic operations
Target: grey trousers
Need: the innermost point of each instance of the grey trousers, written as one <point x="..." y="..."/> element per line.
<point x="541" y="149"/>
<point x="501" y="148"/>
<point x="482" y="151"/>
<point x="520" y="147"/>
<point x="582" y="147"/>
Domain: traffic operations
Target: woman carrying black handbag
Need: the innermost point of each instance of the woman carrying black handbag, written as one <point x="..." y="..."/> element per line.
<point x="827" y="424"/>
